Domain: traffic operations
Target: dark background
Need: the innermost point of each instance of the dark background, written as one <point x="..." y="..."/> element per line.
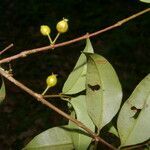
<point x="127" y="48"/>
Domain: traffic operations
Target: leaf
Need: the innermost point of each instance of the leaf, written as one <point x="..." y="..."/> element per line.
<point x="57" y="138"/>
<point x="147" y="145"/>
<point x="113" y="130"/>
<point x="76" y="80"/>
<point x="80" y="138"/>
<point x="134" y="118"/>
<point x="2" y="91"/>
<point x="104" y="91"/>
<point x="145" y="1"/>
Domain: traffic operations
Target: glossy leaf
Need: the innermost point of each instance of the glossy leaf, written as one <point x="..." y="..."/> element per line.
<point x="104" y="91"/>
<point x="134" y="118"/>
<point x="76" y="80"/>
<point x="145" y="1"/>
<point x="2" y="92"/>
<point x="80" y="138"/>
<point x="57" y="138"/>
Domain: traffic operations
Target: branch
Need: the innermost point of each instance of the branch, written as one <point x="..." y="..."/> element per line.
<point x="42" y="49"/>
<point x="138" y="146"/>
<point x="58" y="95"/>
<point x="7" y="48"/>
<point x="40" y="98"/>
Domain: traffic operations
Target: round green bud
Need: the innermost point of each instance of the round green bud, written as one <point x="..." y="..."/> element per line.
<point x="51" y="80"/>
<point x="62" y="26"/>
<point x="45" y="30"/>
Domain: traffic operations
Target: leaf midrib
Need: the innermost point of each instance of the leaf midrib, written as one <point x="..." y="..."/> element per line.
<point x="102" y="92"/>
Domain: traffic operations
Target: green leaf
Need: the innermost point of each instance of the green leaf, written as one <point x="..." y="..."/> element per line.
<point x="76" y="80"/>
<point x="134" y="118"/>
<point x="145" y="1"/>
<point x="113" y="130"/>
<point x="147" y="145"/>
<point x="80" y="138"/>
<point x="57" y="138"/>
<point x="104" y="93"/>
<point x="2" y="91"/>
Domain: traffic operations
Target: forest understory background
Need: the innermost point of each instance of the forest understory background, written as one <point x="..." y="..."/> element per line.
<point x="126" y="47"/>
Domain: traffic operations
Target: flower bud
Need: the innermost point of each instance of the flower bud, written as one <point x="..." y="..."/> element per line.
<point x="62" y="26"/>
<point x="45" y="30"/>
<point x="51" y="80"/>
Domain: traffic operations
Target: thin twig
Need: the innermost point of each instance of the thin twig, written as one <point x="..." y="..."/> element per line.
<point x="58" y="34"/>
<point x="42" y="49"/>
<point x="7" y="48"/>
<point x="131" y="147"/>
<point x="40" y="98"/>
<point x="52" y="96"/>
<point x="61" y="96"/>
<point x="50" y="40"/>
<point x="96" y="142"/>
<point x="45" y="90"/>
<point x="58" y="95"/>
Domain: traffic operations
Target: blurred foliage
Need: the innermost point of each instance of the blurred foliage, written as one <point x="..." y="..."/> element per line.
<point x="126" y="47"/>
